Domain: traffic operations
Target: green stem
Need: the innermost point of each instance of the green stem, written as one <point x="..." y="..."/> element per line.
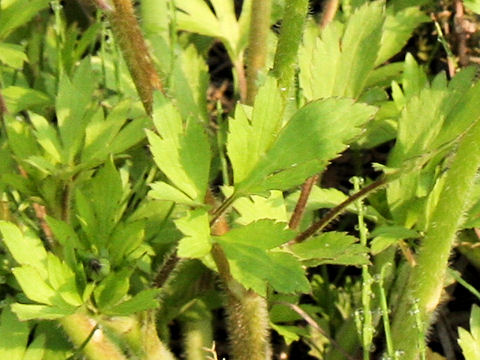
<point x="426" y="280"/>
<point x="289" y="42"/>
<point x="59" y="34"/>
<point x="257" y="45"/>
<point x="385" y="313"/>
<point x="79" y="328"/>
<point x="367" y="320"/>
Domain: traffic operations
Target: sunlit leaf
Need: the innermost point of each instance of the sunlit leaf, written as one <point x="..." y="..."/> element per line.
<point x="197" y="242"/>
<point x="317" y="133"/>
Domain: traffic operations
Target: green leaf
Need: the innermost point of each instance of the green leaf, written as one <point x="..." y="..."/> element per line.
<point x="131" y="134"/>
<point x="470" y="341"/>
<point x="47" y="137"/>
<point x="472" y="5"/>
<point x="112" y="289"/>
<point x="12" y="55"/>
<point x="62" y="279"/>
<point x="17" y="13"/>
<point x="74" y="96"/>
<point x="447" y="110"/>
<point x="45" y="312"/>
<point x="290" y="333"/>
<point x="317" y="133"/>
<point x="26" y="248"/>
<point x="398" y="232"/>
<point x="249" y="140"/>
<point x="36" y="349"/>
<point x="384" y="236"/>
<point x="414" y="77"/>
<point x="332" y="248"/>
<point x="19" y="98"/>
<point x="100" y="205"/>
<point x="263" y="234"/>
<point x="384" y="75"/>
<point x="321" y="198"/>
<point x="253" y="265"/>
<point x="254" y="207"/>
<point x="64" y="233"/>
<point x="183" y="154"/>
<point x="144" y="300"/>
<point x="196" y="16"/>
<point x="398" y="28"/>
<point x="190" y="84"/>
<point x="338" y="64"/>
<point x="34" y="287"/>
<point x="197" y="242"/>
<point x="112" y="135"/>
<point x="13" y="336"/>
<point x="125" y="239"/>
<point x="163" y="191"/>
<point x="460" y="106"/>
<point x="20" y="138"/>
<point x="87" y="218"/>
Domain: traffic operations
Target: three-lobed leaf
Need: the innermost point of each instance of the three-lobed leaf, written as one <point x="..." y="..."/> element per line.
<point x="315" y="134"/>
<point x="181" y="151"/>
<point x="337" y="63"/>
<point x="252" y="132"/>
<point x="255" y="262"/>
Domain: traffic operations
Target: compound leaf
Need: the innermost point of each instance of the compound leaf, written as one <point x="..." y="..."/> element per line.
<point x="183" y="154"/>
<point x="315" y="134"/>
<point x="254" y="263"/>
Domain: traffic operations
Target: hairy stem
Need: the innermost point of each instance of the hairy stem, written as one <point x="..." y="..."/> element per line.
<point x="426" y="280"/>
<point x="247" y="314"/>
<point x="134" y="48"/>
<point x="367" y="319"/>
<point x="248" y="327"/>
<point x="257" y="45"/>
<point x="80" y="327"/>
<point x="289" y="42"/>
<point x="166" y="270"/>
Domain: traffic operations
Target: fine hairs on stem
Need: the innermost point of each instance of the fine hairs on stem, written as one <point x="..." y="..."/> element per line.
<point x="426" y="280"/>
<point x="134" y="48"/>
